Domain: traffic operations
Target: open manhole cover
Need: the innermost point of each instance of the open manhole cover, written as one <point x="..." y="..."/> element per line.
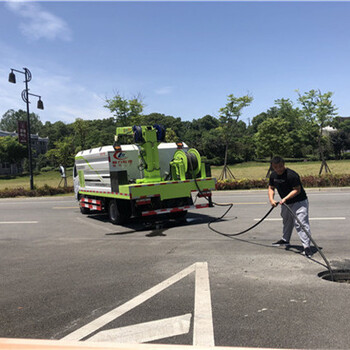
<point x="339" y="276"/>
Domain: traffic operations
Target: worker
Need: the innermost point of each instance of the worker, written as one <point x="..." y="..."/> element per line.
<point x="289" y="187"/>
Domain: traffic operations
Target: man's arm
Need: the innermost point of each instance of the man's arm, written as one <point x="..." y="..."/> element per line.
<point x="296" y="190"/>
<point x="271" y="193"/>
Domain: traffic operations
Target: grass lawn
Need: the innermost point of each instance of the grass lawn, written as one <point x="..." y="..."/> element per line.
<point x="255" y="170"/>
<point x="249" y="170"/>
<point x="51" y="178"/>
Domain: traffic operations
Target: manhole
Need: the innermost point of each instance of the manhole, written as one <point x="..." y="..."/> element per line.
<point x="339" y="276"/>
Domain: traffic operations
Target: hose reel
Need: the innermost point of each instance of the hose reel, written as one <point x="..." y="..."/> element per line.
<point x="186" y="165"/>
<point x="139" y="133"/>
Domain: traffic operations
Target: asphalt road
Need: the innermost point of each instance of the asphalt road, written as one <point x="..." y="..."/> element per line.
<point x="60" y="271"/>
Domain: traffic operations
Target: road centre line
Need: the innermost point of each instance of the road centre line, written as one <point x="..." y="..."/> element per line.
<point x="314" y="193"/>
<point x="76" y="207"/>
<point x="17" y="222"/>
<point x="31" y="201"/>
<point x="247" y="203"/>
<point x="311" y="219"/>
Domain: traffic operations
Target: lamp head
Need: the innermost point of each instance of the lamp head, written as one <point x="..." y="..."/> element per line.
<point x="40" y="104"/>
<point x="12" y="78"/>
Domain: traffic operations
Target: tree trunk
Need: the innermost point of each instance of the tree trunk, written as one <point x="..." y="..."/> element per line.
<point x="324" y="163"/>
<point x="226" y="172"/>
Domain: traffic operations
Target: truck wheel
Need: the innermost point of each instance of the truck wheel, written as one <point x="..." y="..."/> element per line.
<point x="84" y="210"/>
<point x="118" y="213"/>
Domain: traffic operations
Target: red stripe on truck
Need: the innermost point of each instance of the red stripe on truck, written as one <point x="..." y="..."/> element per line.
<point x="91" y="206"/>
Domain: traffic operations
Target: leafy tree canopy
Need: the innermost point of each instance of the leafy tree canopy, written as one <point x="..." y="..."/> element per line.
<point x="63" y="153"/>
<point x="126" y="112"/>
<point x="11" y="151"/>
<point x="319" y="110"/>
<point x="273" y="138"/>
<point x="9" y="121"/>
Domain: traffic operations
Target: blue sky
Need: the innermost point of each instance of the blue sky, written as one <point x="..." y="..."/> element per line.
<point x="184" y="58"/>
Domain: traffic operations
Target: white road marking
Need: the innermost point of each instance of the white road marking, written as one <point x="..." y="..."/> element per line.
<point x="311" y="192"/>
<point x="122" y="309"/>
<point x="311" y="219"/>
<point x="248" y="203"/>
<point x="76" y="207"/>
<point x="30" y="201"/>
<point x="203" y="331"/>
<point x="18" y="222"/>
<point x="329" y="218"/>
<point x="145" y="332"/>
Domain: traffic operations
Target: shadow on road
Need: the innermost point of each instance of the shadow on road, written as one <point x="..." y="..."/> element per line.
<point x="157" y="224"/>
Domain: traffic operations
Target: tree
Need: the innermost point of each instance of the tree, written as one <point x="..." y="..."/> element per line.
<point x="126" y="112"/>
<point x="100" y="132"/>
<point x="11" y="151"/>
<point x="9" y="121"/>
<point x="273" y="138"/>
<point x="340" y="138"/>
<point x="300" y="130"/>
<point x="229" y="116"/>
<point x="81" y="130"/>
<point x="194" y="133"/>
<point x="319" y="110"/>
<point x="170" y="136"/>
<point x="63" y="153"/>
<point x="207" y="123"/>
<point x="56" y="131"/>
<point x="257" y="120"/>
<point x="341" y="123"/>
<point x="340" y="141"/>
<point x="169" y="122"/>
<point x="213" y="148"/>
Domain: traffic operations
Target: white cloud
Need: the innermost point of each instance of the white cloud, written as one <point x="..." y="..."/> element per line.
<point x="38" y="23"/>
<point x="63" y="98"/>
<point x="166" y="90"/>
<point x="67" y="100"/>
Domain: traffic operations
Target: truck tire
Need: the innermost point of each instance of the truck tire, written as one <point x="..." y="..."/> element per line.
<point x="84" y="210"/>
<point x="118" y="212"/>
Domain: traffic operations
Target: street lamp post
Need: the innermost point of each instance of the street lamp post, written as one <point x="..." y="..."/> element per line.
<point x="25" y="98"/>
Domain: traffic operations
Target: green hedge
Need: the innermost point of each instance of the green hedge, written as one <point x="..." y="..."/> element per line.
<point x="308" y="181"/>
<point x="37" y="192"/>
<point x="244" y="184"/>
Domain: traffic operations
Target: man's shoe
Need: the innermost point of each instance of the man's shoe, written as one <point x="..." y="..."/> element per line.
<point x="281" y="242"/>
<point x="308" y="252"/>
